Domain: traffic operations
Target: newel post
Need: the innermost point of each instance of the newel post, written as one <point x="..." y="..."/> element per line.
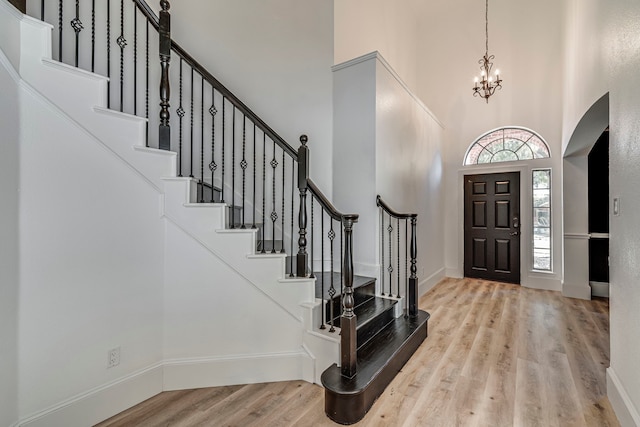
<point x="165" y="90"/>
<point x="348" y="338"/>
<point x="413" y="279"/>
<point x="303" y="176"/>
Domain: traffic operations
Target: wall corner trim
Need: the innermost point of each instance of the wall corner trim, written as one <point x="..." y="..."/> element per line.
<point x="627" y="414"/>
<point x="376" y="55"/>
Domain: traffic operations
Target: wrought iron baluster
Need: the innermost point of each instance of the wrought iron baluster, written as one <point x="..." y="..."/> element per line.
<point x="180" y="111"/>
<point x="293" y="177"/>
<point x="406" y="256"/>
<point x="332" y="289"/>
<point x="264" y="188"/>
<point x="42" y="10"/>
<point x="135" y="59"/>
<point x="382" y="264"/>
<point x="312" y="275"/>
<point x="327" y="301"/>
<point x="109" y="53"/>
<point x="191" y="132"/>
<point x="413" y="280"/>
<point x="233" y="167"/>
<point x="341" y="257"/>
<point x="224" y="142"/>
<point x="202" y="141"/>
<point x="77" y="26"/>
<point x="390" y="268"/>
<point x="213" y="165"/>
<point x="283" y="197"/>
<point x="93" y="34"/>
<point x="122" y="43"/>
<point x="274" y="214"/>
<point x="60" y="20"/>
<point x="398" y="255"/>
<point x="146" y="95"/>
<point x="243" y="166"/>
<point x="255" y="210"/>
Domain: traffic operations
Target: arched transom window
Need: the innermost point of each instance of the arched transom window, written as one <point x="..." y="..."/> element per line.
<point x="505" y="145"/>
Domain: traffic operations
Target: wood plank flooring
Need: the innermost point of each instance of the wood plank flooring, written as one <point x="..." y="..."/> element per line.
<point x="496" y="355"/>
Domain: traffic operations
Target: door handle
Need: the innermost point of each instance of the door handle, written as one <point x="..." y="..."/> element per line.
<point x="515" y="233"/>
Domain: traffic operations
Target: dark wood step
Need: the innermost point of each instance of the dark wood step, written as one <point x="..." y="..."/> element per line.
<point x="364" y="289"/>
<point x="372" y="316"/>
<point x="347" y="400"/>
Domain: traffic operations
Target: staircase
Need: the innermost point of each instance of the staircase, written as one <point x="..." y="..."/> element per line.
<point x="234" y="187"/>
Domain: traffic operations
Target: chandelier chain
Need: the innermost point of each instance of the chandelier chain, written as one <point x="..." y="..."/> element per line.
<point x="486" y="26"/>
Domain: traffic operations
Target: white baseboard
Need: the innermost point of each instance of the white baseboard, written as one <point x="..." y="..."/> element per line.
<point x="623" y="407"/>
<point x="249" y="369"/>
<point x="576" y="291"/>
<point x="599" y="289"/>
<point x="543" y="283"/>
<point x="425" y="285"/>
<point x="454" y="273"/>
<point x="106" y="401"/>
<point x="100" y="403"/>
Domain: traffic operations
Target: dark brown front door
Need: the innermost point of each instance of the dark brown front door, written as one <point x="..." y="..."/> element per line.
<point x="492" y="226"/>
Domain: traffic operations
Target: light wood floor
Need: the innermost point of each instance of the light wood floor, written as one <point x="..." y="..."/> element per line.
<point x="496" y="355"/>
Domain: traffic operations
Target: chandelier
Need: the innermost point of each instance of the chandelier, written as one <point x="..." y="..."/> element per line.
<point x="485" y="86"/>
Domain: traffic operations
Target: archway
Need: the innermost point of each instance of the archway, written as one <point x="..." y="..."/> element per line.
<point x="575" y="199"/>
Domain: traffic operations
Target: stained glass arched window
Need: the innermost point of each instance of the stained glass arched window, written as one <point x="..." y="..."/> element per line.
<point x="505" y="145"/>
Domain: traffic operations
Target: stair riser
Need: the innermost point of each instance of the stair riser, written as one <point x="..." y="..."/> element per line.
<point x="361" y="295"/>
<point x="371" y="328"/>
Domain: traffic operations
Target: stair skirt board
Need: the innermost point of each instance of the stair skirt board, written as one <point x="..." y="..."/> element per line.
<point x="347" y="400"/>
<point x="103" y="402"/>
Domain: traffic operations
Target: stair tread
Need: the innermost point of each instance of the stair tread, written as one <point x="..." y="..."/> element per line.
<point x="369" y="310"/>
<point x="358" y="281"/>
<point x="375" y="355"/>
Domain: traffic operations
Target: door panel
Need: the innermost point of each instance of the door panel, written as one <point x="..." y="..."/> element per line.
<point x="491" y="227"/>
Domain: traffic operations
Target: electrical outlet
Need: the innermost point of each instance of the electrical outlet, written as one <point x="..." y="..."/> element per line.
<point x="113" y="357"/>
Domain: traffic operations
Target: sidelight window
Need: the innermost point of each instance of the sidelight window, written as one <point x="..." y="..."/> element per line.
<point x="542" y="219"/>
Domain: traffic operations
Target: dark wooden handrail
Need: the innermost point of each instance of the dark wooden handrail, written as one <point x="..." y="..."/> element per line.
<point x="391" y="212"/>
<point x="412" y="280"/>
<point x="186" y="57"/>
<point x="327" y="206"/>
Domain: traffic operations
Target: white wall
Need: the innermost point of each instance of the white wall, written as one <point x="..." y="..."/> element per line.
<point x="603" y="42"/>
<point x="90" y="262"/>
<point x="276" y="56"/>
<point x="9" y="248"/>
<point x="391" y="28"/>
<point x="387" y="142"/>
<point x="435" y="46"/>
<point x="452" y="39"/>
